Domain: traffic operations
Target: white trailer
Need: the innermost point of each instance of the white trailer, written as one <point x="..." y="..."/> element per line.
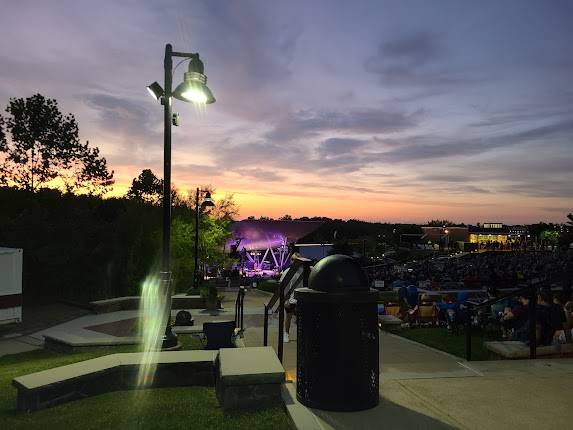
<point x="10" y="285"/>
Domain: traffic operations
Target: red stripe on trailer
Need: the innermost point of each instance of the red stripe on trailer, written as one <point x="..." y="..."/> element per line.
<point x="10" y="301"/>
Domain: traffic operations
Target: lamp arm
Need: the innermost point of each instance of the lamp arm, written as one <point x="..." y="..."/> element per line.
<point x="185" y="54"/>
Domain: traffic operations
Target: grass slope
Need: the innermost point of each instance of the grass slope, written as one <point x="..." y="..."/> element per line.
<point x="454" y="344"/>
<point x="170" y="408"/>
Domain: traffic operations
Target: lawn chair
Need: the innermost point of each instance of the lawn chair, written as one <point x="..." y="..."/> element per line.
<point x="219" y="334"/>
<point x="428" y="314"/>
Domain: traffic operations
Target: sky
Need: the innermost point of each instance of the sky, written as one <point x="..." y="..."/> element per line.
<point x="392" y="111"/>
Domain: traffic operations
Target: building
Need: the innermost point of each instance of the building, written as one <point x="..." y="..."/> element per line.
<point x="447" y="236"/>
<point x="487" y="234"/>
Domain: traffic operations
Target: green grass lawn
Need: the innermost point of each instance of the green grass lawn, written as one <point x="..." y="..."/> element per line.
<point x="170" y="408"/>
<point x="268" y="285"/>
<point x="439" y="338"/>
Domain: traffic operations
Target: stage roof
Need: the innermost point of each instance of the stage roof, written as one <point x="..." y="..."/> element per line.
<point x="262" y="234"/>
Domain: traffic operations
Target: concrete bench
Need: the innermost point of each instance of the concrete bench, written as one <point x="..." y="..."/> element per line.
<point x="249" y="377"/>
<point x="517" y="349"/>
<point x="70" y="343"/>
<point x="131" y="303"/>
<point x="111" y="373"/>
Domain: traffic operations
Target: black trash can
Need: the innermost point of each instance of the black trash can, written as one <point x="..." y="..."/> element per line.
<point x="337" y="338"/>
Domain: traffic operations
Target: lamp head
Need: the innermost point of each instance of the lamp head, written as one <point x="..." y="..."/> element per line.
<point x="194" y="86"/>
<point x="156" y="90"/>
<point x="208" y="201"/>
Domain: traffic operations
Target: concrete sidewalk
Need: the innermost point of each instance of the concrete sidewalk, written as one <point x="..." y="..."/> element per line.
<point x="422" y="388"/>
<point x="56" y="318"/>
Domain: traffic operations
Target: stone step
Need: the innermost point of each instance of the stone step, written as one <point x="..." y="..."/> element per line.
<point x="516" y="349"/>
<point x="249" y="377"/>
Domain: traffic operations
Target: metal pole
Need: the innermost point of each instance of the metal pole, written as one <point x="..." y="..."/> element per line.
<point x="170" y="339"/>
<point x="266" y="327"/>
<point x="237" y="310"/>
<point x="469" y="335"/>
<point x="532" y="324"/>
<point x="195" y="271"/>
<point x="242" y="307"/>
<point x="281" y="320"/>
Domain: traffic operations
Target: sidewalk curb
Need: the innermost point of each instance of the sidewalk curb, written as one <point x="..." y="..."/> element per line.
<point x="300" y="416"/>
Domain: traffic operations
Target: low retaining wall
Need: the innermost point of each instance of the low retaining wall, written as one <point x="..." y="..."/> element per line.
<point x="111" y="373"/>
<point x="69" y="343"/>
<point x="244" y="377"/>
<point x="131" y="303"/>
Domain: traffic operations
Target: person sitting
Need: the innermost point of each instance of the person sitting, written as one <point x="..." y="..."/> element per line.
<point x="543" y="318"/>
<point x="403" y="303"/>
<point x="447" y="312"/>
<point x="568" y="325"/>
<point x="515" y="318"/>
<point x="557" y="318"/>
<point x="412" y="300"/>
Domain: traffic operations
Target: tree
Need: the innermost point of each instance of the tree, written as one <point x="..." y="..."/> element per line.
<point x="44" y="145"/>
<point x="225" y="209"/>
<point x="570" y="218"/>
<point x="146" y="188"/>
<point x="285" y="218"/>
<point x="549" y="237"/>
<point x="440" y="223"/>
<point x="213" y="234"/>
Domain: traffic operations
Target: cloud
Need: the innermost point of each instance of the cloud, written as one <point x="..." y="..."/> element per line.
<point x="540" y="188"/>
<point x="473" y="146"/>
<point x="445" y="178"/>
<point x="197" y="169"/>
<point x="264" y="175"/>
<point x="415" y="59"/>
<point x="337" y="146"/>
<point x="118" y="112"/>
<point x="357" y="121"/>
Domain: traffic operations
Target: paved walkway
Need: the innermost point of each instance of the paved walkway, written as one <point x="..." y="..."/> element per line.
<point x="422" y="388"/>
<point x="57" y="318"/>
<point x="16" y="338"/>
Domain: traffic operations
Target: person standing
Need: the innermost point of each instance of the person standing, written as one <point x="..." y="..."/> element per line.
<point x="290" y="303"/>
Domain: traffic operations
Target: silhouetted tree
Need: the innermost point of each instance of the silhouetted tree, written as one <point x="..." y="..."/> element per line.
<point x="225" y="208"/>
<point x="570" y="218"/>
<point x="44" y="145"/>
<point x="146" y="188"/>
<point x="440" y="223"/>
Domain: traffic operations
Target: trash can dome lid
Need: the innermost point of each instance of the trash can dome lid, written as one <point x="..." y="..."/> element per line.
<point x="337" y="272"/>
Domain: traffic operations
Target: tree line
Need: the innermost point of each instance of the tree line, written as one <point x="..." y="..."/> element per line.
<point x="39" y="145"/>
<point x="77" y="245"/>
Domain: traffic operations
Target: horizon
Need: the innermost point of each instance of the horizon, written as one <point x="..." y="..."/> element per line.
<point x="382" y="112"/>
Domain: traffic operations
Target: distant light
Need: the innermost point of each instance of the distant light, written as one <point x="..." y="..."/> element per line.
<point x="155" y="90"/>
<point x="208" y="200"/>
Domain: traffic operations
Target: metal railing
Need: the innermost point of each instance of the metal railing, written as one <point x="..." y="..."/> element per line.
<point x="529" y="290"/>
<point x="279" y="296"/>
<point x="239" y="320"/>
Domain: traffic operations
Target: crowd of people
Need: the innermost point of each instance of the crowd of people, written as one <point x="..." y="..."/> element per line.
<point x="489" y="273"/>
<point x="477" y="270"/>
<point x="553" y="317"/>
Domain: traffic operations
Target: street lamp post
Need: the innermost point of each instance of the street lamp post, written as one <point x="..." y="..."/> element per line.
<point x="208" y="201"/>
<point x="193" y="89"/>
